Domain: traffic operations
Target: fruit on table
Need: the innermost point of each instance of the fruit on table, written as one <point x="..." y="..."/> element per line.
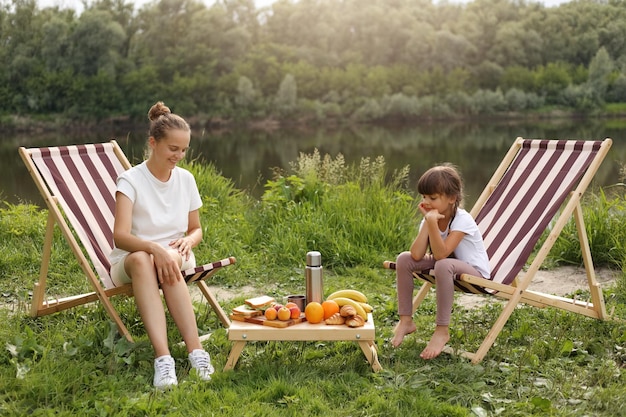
<point x="314" y="312"/>
<point x="271" y="314"/>
<point x="348" y="293"/>
<point x="284" y="314"/>
<point x="295" y="312"/>
<point x="330" y="308"/>
<point x="354" y="295"/>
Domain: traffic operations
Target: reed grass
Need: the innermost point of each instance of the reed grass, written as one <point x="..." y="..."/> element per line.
<point x="545" y="362"/>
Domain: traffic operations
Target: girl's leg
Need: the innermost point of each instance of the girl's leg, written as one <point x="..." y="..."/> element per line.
<point x="445" y="271"/>
<point x="405" y="266"/>
<point x="140" y="267"/>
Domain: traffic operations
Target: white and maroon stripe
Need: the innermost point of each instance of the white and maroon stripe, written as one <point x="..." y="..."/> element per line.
<point x="83" y="178"/>
<point x="525" y="208"/>
<point x="200" y="272"/>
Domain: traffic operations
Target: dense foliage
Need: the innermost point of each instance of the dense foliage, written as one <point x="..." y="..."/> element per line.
<point x="362" y="60"/>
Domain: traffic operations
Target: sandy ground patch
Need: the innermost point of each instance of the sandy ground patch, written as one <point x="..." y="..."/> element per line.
<point x="561" y="281"/>
<point x="222" y="294"/>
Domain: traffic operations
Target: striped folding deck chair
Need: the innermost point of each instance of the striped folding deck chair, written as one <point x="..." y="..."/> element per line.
<point x="538" y="186"/>
<point x="78" y="184"/>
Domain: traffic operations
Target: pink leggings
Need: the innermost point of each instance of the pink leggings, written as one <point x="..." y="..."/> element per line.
<point x="445" y="271"/>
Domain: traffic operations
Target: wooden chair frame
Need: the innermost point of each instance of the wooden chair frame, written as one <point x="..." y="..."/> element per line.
<point x="517" y="292"/>
<point x="57" y="216"/>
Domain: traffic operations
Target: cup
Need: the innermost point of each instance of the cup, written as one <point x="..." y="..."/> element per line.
<point x="299" y="300"/>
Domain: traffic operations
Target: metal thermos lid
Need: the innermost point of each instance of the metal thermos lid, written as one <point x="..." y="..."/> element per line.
<point x="314" y="258"/>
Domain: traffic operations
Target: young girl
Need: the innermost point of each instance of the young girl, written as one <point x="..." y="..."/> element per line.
<point x="456" y="247"/>
<point x="157" y="224"/>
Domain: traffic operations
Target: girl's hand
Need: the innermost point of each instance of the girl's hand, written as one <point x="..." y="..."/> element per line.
<point x="430" y="214"/>
<point x="183" y="245"/>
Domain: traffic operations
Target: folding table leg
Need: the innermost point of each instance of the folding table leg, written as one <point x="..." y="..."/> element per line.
<point x="234" y="355"/>
<point x="369" y="349"/>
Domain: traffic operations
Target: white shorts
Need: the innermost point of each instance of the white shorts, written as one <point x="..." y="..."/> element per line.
<point x="120" y="277"/>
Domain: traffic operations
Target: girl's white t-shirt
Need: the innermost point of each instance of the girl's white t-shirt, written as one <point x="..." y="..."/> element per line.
<point x="471" y="249"/>
<point x="160" y="209"/>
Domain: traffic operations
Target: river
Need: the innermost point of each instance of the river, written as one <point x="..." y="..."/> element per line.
<point x="248" y="156"/>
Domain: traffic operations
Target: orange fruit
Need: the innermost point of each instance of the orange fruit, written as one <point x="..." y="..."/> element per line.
<point x="330" y="307"/>
<point x="290" y="304"/>
<point x="314" y="312"/>
<point x="284" y="314"/>
<point x="271" y="314"/>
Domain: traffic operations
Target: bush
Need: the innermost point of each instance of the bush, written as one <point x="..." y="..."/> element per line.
<point x="305" y="211"/>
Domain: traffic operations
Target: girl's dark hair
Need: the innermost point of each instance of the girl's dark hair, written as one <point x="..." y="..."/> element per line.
<point x="442" y="179"/>
<point x="163" y="120"/>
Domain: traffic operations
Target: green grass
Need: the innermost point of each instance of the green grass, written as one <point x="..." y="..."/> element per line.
<point x="544" y="362"/>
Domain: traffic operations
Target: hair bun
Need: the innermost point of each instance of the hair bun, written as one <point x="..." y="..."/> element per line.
<point x="158" y="110"/>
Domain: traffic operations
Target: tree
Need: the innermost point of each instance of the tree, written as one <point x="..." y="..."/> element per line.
<point x="97" y="43"/>
<point x="287" y="96"/>
<point x="600" y="68"/>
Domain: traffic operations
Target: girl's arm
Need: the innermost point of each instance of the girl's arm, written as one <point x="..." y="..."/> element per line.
<point x="441" y="248"/>
<point x="192" y="238"/>
<point x="167" y="268"/>
<point x="420" y="244"/>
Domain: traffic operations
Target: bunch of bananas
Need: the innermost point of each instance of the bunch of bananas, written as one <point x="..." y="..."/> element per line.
<point x="355" y="298"/>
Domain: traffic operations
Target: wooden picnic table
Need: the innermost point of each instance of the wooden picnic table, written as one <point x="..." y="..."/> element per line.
<point x="241" y="333"/>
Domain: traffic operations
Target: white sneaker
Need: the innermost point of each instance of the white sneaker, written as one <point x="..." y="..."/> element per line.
<point x="164" y="372"/>
<point x="201" y="362"/>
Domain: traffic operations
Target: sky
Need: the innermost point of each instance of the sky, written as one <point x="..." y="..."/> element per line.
<point x="77" y="4"/>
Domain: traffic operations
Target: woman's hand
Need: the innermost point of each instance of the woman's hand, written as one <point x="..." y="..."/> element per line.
<point x="183" y="245"/>
<point x="166" y="266"/>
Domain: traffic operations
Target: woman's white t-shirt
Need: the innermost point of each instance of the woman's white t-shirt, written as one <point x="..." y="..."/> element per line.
<point x="471" y="249"/>
<point x="160" y="209"/>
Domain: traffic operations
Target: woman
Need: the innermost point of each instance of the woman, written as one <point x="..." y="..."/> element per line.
<point x="157" y="223"/>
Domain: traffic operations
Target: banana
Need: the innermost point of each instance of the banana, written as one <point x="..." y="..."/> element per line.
<point x="368" y="308"/>
<point x="341" y="301"/>
<point x="352" y="294"/>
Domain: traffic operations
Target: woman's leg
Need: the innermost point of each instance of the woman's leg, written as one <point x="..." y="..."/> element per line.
<point x="140" y="267"/>
<point x="445" y="271"/>
<point x="179" y="304"/>
<point x="405" y="266"/>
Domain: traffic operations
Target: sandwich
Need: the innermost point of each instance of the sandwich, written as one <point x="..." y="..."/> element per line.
<point x="254" y="306"/>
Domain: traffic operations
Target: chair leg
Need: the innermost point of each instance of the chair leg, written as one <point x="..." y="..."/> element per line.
<point x="421" y="294"/>
<point x="496" y="328"/>
<point x="221" y="314"/>
<point x="597" y="298"/>
<point x="40" y="287"/>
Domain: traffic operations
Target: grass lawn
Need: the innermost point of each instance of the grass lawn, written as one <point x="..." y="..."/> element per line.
<point x="545" y="362"/>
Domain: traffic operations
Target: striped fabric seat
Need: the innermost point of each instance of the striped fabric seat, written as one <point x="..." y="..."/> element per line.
<point x="78" y="183"/>
<point x="537" y="187"/>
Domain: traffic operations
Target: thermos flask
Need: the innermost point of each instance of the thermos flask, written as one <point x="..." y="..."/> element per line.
<point x="313" y="275"/>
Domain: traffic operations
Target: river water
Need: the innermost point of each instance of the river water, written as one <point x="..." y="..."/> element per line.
<point x="248" y="156"/>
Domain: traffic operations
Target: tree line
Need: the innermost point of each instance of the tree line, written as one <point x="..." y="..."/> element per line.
<point x="363" y="60"/>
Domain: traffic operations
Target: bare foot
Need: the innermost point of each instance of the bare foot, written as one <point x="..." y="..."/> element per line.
<point x="403" y="328"/>
<point x="436" y="344"/>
